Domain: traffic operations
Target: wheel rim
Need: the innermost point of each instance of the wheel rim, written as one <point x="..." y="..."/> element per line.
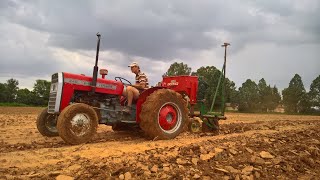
<point x="80" y="124"/>
<point x="51" y="123"/>
<point x="169" y="117"/>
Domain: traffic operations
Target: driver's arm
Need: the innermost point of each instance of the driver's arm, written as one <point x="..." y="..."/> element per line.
<point x="141" y="81"/>
<point x="140" y="85"/>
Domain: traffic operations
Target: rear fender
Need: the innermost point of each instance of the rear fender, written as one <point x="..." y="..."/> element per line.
<point x="142" y="98"/>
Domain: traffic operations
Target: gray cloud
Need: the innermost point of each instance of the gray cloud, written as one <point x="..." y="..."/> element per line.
<point x="157" y="31"/>
<point x="149" y="29"/>
<point x="160" y="29"/>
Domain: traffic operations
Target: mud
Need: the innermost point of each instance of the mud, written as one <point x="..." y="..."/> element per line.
<point x="249" y="146"/>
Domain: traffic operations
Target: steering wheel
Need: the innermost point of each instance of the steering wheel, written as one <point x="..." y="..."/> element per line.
<point x="121" y="78"/>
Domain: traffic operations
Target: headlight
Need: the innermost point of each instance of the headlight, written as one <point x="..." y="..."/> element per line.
<point x="54" y="87"/>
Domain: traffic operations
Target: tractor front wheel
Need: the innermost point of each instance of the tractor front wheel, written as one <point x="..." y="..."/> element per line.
<point x="164" y="114"/>
<point x="47" y="124"/>
<point x="77" y="123"/>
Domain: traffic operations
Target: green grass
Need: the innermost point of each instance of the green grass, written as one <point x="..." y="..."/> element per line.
<point x="14" y="104"/>
<point x="18" y="105"/>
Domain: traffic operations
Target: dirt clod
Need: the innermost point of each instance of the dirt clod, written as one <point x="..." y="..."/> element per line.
<point x="127" y="175"/>
<point x="247" y="170"/>
<point x="249" y="150"/>
<point x="266" y="155"/>
<point x="232" y="170"/>
<point x="196" y="176"/>
<point x="64" y="177"/>
<point x="154" y="169"/>
<point x="194" y="161"/>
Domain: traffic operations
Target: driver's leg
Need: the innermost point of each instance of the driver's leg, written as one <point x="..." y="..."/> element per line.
<point x="124" y="92"/>
<point x="132" y="93"/>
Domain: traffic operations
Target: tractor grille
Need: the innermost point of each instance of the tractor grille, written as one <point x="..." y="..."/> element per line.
<point x="52" y="102"/>
<point x="53" y="93"/>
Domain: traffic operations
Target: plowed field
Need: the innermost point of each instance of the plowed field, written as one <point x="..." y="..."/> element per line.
<point x="249" y="146"/>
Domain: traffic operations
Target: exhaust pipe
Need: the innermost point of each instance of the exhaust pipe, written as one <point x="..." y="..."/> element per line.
<point x="95" y="68"/>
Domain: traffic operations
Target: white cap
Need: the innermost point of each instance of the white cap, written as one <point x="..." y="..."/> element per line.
<point x="134" y="64"/>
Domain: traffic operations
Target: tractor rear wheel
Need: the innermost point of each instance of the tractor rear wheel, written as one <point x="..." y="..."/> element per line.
<point x="47" y="124"/>
<point x="77" y="123"/>
<point x="164" y="114"/>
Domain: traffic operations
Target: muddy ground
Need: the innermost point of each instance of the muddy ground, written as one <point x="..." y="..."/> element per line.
<point x="249" y="146"/>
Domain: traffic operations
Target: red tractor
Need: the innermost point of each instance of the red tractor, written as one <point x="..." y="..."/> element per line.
<point x="78" y="103"/>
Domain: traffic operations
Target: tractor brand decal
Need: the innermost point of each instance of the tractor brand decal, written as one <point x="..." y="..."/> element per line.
<point x="107" y="86"/>
<point x="88" y="83"/>
<point x="173" y="83"/>
<point x="77" y="81"/>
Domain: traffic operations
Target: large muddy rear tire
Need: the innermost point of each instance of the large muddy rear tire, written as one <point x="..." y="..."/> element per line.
<point x="47" y="124"/>
<point x="77" y="123"/>
<point x="164" y="114"/>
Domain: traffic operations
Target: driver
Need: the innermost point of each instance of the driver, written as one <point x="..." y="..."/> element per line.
<point x="133" y="91"/>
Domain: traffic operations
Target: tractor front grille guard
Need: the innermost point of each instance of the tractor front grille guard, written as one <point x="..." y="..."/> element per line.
<point x="55" y="93"/>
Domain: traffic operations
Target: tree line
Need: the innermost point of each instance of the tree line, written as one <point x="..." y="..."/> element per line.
<point x="252" y="96"/>
<point x="12" y="95"/>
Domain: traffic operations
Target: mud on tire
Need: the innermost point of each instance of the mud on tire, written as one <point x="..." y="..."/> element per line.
<point x="46" y="124"/>
<point x="77" y="123"/>
<point x="164" y="114"/>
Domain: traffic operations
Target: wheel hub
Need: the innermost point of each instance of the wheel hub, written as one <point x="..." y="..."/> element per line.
<point x="80" y="124"/>
<point x="51" y="123"/>
<point x="169" y="117"/>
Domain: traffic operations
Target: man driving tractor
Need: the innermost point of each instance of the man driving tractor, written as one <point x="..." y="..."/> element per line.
<point x="133" y="91"/>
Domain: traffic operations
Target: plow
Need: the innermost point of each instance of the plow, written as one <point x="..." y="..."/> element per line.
<point x="208" y="121"/>
<point x="79" y="103"/>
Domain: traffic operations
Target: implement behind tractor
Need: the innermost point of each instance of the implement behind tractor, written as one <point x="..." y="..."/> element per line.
<point x="78" y="103"/>
<point x="209" y="121"/>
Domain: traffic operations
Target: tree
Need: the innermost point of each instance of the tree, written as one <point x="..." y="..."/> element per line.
<point x="304" y="105"/>
<point x="208" y="80"/>
<point x="264" y="95"/>
<point x="177" y="69"/>
<point x="293" y="95"/>
<point x="25" y="96"/>
<point x="276" y="98"/>
<point x="314" y="92"/>
<point x="3" y="93"/>
<point x="249" y="96"/>
<point x="269" y="98"/>
<point x="231" y="92"/>
<point x="11" y="89"/>
<point x="41" y="90"/>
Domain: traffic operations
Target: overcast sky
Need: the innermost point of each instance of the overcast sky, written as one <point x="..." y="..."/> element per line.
<point x="271" y="39"/>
